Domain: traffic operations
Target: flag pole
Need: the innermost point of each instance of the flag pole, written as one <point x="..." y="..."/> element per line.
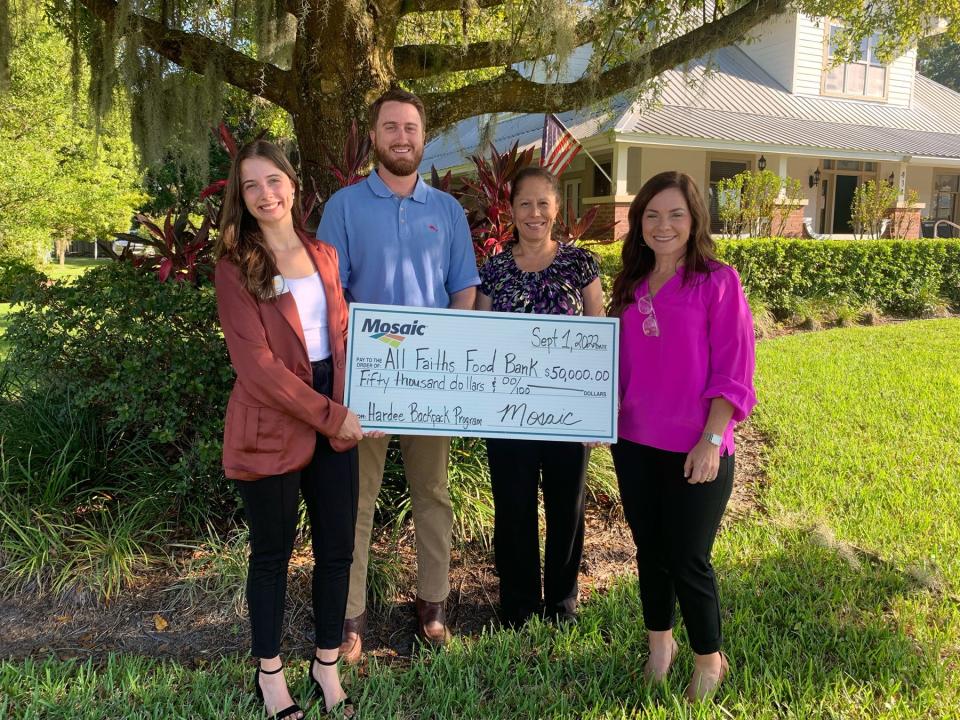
<point x="593" y="159"/>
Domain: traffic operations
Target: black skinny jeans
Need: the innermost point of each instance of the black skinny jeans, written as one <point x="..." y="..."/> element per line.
<point x="330" y="487"/>
<point x="674" y="524"/>
<point x="515" y="475"/>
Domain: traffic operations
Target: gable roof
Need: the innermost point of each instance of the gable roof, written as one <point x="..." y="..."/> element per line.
<point x="727" y="97"/>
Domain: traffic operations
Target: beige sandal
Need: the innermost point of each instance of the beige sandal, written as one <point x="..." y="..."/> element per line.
<point x="703" y="688"/>
<point x="651" y="677"/>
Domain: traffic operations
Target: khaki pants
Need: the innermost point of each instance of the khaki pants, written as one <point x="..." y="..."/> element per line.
<point x="425" y="465"/>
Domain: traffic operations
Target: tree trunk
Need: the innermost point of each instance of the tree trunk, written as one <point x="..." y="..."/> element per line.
<point x="318" y="129"/>
<point x="342" y="65"/>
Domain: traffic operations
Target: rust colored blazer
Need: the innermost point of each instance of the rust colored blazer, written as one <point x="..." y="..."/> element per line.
<point x="274" y="413"/>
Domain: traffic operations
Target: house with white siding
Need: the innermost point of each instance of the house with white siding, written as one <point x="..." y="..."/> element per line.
<point x="773" y="101"/>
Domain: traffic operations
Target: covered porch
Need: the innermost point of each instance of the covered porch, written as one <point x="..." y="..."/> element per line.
<point x="828" y="179"/>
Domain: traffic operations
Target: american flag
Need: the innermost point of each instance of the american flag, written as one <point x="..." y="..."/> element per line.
<point x="560" y="147"/>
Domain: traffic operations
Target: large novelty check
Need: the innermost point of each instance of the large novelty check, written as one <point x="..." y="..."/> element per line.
<point x="419" y="371"/>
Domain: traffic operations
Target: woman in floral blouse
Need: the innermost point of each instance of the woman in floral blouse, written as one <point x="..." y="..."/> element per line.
<point x="537" y="274"/>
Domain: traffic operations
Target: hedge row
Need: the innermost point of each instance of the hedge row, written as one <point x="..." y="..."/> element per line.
<point x="903" y="277"/>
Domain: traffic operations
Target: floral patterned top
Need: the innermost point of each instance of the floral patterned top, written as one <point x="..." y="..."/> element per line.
<point x="555" y="290"/>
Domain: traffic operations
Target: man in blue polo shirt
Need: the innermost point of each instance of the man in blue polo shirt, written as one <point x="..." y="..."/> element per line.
<point x="401" y="242"/>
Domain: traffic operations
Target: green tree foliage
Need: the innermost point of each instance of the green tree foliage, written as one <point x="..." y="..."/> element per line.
<point x="939" y="59"/>
<point x="59" y="182"/>
<point x="175" y="178"/>
<point x="324" y="61"/>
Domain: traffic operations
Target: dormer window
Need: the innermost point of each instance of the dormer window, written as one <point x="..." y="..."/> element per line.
<point x="865" y="77"/>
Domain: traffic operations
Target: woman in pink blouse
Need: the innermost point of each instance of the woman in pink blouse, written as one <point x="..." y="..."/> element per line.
<point x="686" y="377"/>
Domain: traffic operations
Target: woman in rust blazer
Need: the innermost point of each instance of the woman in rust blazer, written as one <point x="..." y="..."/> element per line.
<point x="287" y="432"/>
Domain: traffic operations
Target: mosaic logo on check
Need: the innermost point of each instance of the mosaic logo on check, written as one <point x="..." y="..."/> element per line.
<point x="390" y="339"/>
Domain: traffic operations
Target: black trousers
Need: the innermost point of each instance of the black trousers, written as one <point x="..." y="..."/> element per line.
<point x="674" y="524"/>
<point x="330" y="488"/>
<point x="515" y="473"/>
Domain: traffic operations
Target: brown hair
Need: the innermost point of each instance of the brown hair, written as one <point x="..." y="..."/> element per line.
<point x="638" y="260"/>
<point x="240" y="239"/>
<point x="533" y="171"/>
<point x="396" y="95"/>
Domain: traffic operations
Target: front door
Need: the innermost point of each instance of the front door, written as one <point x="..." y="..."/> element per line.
<point x="844" y="186"/>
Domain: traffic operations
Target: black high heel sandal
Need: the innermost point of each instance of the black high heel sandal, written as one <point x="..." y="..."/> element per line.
<point x="287" y="711"/>
<point x="318" y="690"/>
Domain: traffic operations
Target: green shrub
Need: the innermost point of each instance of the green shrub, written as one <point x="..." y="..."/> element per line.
<point x="147" y="360"/>
<point x="902" y="277"/>
<point x="17" y="277"/>
<point x="756" y="203"/>
<point x="899" y="276"/>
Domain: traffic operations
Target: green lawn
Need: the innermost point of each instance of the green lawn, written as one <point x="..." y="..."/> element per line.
<point x="73" y="268"/>
<point x="4" y="322"/>
<point x="840" y="598"/>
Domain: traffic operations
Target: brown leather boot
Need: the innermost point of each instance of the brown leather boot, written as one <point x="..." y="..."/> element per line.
<point x="432" y="612"/>
<point x="351" y="641"/>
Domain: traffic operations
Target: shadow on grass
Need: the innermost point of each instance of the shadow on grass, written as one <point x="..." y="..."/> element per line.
<point x="808" y="634"/>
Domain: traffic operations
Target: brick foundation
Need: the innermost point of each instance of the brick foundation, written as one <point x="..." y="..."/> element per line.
<point x="904" y="223"/>
<point x="608" y="213"/>
<point x="793" y="223"/>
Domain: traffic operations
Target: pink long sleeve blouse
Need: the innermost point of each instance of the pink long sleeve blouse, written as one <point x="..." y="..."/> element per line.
<point x="705" y="349"/>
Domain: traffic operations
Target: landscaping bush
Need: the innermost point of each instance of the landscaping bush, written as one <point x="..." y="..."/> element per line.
<point x="901" y="277"/>
<point x="16" y="278"/>
<point x="116" y="384"/>
<point x="147" y="359"/>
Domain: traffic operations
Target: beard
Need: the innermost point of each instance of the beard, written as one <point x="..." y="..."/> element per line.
<point x="403" y="166"/>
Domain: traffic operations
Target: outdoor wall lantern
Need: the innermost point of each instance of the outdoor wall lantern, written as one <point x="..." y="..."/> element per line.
<point x="762" y="163"/>
<point x="890" y="179"/>
<point x="814" y="179"/>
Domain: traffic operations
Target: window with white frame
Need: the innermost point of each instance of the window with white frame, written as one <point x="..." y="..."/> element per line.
<point x="865" y="77"/>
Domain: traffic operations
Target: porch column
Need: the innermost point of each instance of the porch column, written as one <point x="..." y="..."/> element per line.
<point x="619" y="169"/>
<point x="782" y="173"/>
<point x="901" y="183"/>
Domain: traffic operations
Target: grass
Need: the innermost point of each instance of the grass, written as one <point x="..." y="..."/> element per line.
<point x="4" y="323"/>
<point x="74" y="268"/>
<point x="839" y="601"/>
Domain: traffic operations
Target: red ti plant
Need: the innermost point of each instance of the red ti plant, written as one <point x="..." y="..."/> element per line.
<point x="349" y="169"/>
<point x="182" y="252"/>
<point x="487" y="198"/>
<point x="572" y="229"/>
<point x="441" y="183"/>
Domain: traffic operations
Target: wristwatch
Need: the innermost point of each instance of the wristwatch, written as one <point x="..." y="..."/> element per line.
<point x="713" y="439"/>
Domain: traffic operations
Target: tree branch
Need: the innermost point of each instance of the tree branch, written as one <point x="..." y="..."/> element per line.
<point x="418" y="61"/>
<point x="510" y="92"/>
<point x="411" y="6"/>
<point x="196" y="52"/>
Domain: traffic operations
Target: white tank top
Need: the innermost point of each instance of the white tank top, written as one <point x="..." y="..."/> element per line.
<point x="312" y="306"/>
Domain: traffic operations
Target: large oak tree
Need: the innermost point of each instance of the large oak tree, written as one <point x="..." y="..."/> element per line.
<point x="323" y="61"/>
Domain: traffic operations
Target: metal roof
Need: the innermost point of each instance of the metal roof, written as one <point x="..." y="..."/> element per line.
<point x="727" y="97"/>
